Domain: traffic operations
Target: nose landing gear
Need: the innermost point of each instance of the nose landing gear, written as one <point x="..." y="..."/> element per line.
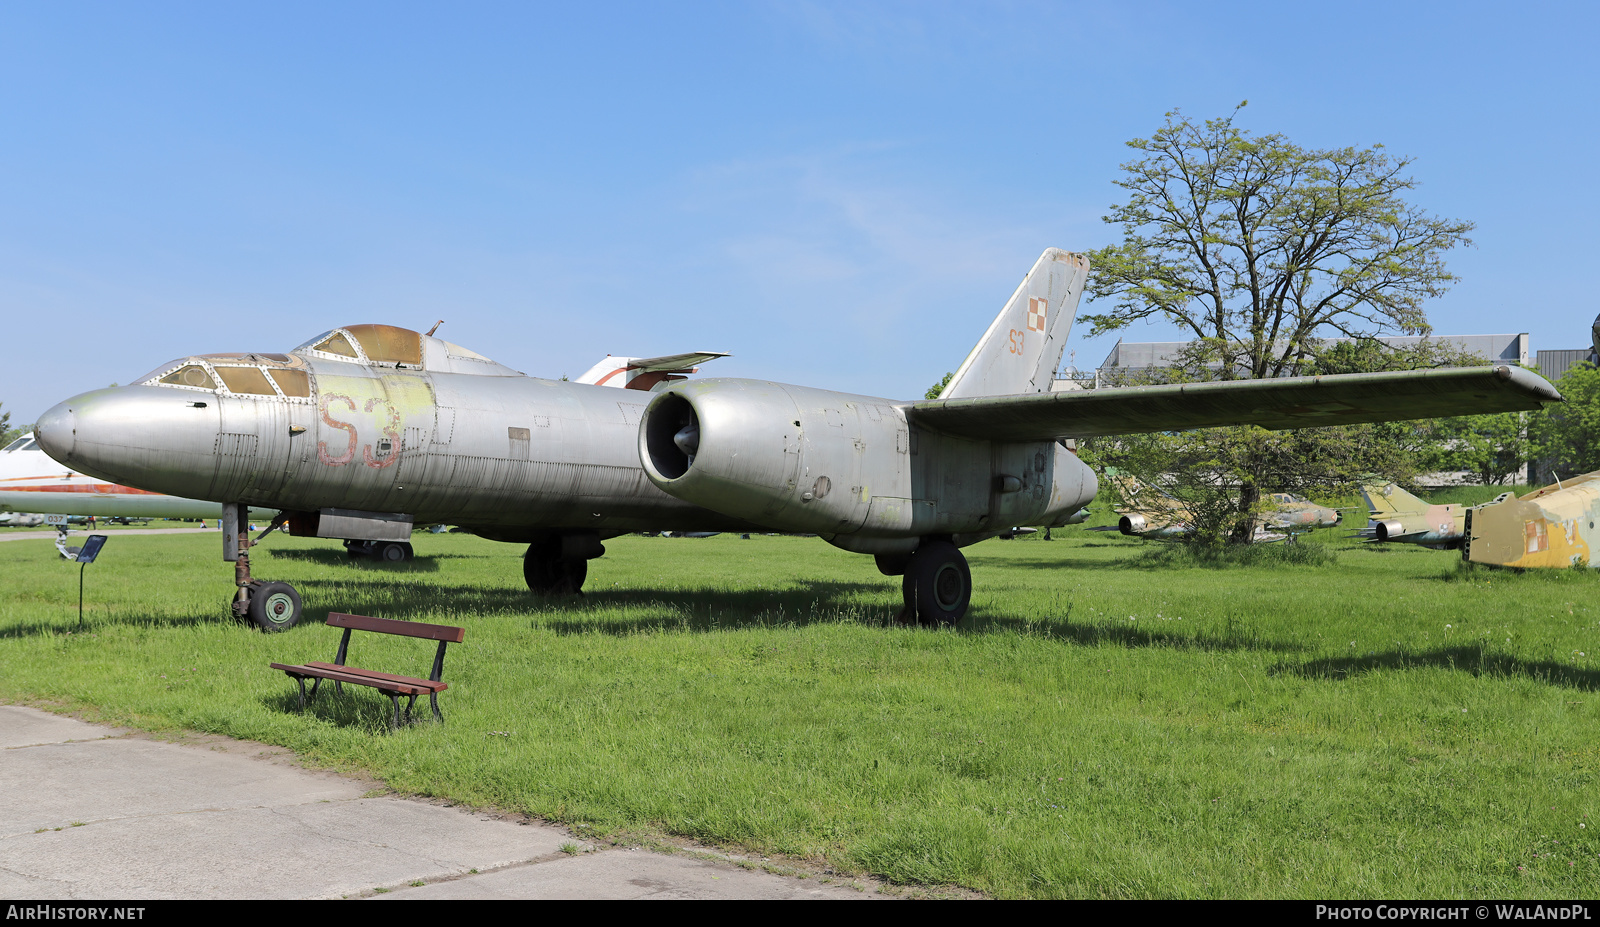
<point x="270" y="606"/>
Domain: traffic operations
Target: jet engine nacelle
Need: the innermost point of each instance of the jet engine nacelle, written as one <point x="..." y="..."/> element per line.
<point x="849" y="468"/>
<point x="1384" y="530"/>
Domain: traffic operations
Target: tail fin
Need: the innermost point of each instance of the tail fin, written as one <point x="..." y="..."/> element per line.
<point x="1020" y="351"/>
<point x="1385" y="499"/>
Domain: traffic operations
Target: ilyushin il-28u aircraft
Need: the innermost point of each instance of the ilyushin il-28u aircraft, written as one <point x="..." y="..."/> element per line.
<point x="363" y="430"/>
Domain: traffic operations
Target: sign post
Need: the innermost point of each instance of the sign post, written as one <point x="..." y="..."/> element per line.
<point x="86" y="555"/>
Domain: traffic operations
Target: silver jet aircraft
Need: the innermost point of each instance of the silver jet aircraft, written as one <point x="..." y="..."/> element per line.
<point x="365" y="429"/>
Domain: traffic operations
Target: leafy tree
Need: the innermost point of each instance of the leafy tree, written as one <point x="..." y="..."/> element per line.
<point x="1262" y="250"/>
<point x="1492" y="448"/>
<point x="937" y="388"/>
<point x="7" y="433"/>
<point x="1566" y="437"/>
<point x="1258" y="247"/>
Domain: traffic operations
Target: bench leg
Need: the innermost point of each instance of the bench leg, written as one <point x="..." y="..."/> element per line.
<point x="433" y="699"/>
<point x="394" y="700"/>
<point x="315" y="685"/>
<point x="302" y="682"/>
<point x="409" y="703"/>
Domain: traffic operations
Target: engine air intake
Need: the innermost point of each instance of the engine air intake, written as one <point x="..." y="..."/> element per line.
<point x="671" y="436"/>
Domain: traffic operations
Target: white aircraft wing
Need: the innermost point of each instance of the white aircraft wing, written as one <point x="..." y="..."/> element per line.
<point x="1297" y="402"/>
<point x="673" y="361"/>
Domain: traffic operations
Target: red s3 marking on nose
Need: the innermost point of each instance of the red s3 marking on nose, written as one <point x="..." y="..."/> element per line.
<point x="322" y="446"/>
<point x="391" y="428"/>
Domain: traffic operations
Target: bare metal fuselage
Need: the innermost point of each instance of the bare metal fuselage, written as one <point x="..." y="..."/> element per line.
<point x="444" y="447"/>
<point x="511" y="455"/>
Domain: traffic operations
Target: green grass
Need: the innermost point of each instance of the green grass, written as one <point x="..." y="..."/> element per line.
<point x="1108" y="722"/>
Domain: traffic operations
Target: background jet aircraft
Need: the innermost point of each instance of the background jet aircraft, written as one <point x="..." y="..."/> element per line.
<point x="379" y="426"/>
<point x="1290" y="511"/>
<point x="30" y="482"/>
<point x="1397" y="516"/>
<point x="1148" y="512"/>
<point x="1551" y="527"/>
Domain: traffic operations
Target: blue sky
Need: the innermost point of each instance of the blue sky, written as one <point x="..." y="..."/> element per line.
<point x="841" y="194"/>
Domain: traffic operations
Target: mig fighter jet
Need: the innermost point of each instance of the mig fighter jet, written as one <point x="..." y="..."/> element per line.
<point x="1396" y="516"/>
<point x="374" y="427"/>
<point x="1149" y="512"/>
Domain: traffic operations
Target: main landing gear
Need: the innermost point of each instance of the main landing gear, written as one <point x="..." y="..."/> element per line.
<point x="935" y="583"/>
<point x="558" y="564"/>
<point x="386" y="551"/>
<point x="270" y="606"/>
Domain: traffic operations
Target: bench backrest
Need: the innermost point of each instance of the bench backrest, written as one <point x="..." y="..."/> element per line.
<point x="432" y="632"/>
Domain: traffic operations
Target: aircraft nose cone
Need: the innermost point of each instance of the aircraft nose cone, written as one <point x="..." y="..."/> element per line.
<point x="55" y="431"/>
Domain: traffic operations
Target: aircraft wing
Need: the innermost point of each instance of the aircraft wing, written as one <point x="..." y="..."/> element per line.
<point x="1297" y="402"/>
<point x="673" y="361"/>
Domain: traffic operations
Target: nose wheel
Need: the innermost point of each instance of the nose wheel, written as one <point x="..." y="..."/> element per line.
<point x="273" y="606"/>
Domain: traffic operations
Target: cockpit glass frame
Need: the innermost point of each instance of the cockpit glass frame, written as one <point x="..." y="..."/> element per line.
<point x="338" y="344"/>
<point x="388" y="344"/>
<point x="182" y="377"/>
<point x="245" y="380"/>
<point x="17" y="445"/>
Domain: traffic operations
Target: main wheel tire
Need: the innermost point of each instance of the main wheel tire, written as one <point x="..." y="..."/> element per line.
<point x="391" y="552"/>
<point x="547" y="574"/>
<point x="274" y="607"/>
<point x="937" y="584"/>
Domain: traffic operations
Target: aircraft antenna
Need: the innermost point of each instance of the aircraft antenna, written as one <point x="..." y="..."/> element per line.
<point x="435" y="327"/>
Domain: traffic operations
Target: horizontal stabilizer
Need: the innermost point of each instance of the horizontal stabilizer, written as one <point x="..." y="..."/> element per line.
<point x="1297" y="402"/>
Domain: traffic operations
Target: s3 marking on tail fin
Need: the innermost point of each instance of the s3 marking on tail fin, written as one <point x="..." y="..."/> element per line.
<point x="1020" y="351"/>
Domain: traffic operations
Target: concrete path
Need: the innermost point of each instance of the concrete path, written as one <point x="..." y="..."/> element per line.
<point x="93" y="812"/>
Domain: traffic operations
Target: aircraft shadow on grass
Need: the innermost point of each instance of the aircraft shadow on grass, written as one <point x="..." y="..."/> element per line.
<point x="1091" y="635"/>
<point x="339" y="558"/>
<point x="1466" y="659"/>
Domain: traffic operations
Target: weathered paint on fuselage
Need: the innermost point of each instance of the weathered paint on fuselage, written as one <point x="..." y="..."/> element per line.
<point x="1553" y="527"/>
<point x="442" y="447"/>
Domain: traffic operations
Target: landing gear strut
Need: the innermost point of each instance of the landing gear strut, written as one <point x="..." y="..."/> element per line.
<point x="270" y="606"/>
<point x="937" y="585"/>
<point x="558" y="564"/>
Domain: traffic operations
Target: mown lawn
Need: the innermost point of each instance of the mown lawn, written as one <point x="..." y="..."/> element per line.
<point x="1104" y="724"/>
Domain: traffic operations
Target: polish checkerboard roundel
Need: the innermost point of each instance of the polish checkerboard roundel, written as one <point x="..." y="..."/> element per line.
<point x="1036" y="311"/>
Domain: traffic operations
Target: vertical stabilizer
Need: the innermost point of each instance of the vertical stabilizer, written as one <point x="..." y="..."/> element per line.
<point x="1020" y="351"/>
<point x="1385" y="499"/>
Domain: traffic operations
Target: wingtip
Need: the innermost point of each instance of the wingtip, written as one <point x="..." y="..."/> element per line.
<point x="1529" y="382"/>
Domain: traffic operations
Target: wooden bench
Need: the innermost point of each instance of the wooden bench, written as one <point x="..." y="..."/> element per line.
<point x="388" y="683"/>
